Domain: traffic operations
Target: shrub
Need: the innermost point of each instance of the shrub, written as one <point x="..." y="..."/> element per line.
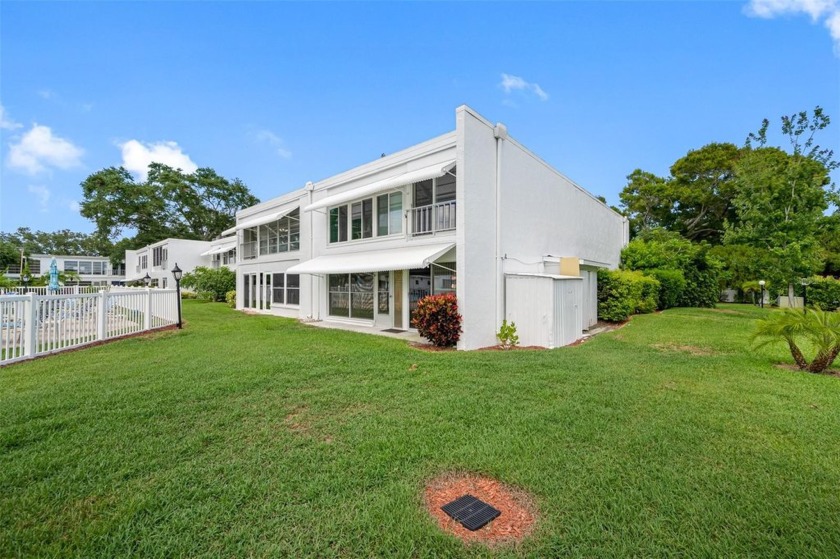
<point x="824" y="293"/>
<point x="701" y="288"/>
<point x="671" y="286"/>
<point x="660" y="249"/>
<point x="206" y="296"/>
<point x="216" y="281"/>
<point x="622" y="293"/>
<point x="188" y="294"/>
<point x="230" y="299"/>
<point x="507" y="335"/>
<point x="437" y="319"/>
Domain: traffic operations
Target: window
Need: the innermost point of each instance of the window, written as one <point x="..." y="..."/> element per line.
<point x="159" y="256"/>
<point x="249" y="244"/>
<point x="361" y="223"/>
<point x="278" y="236"/>
<point x="351" y="295"/>
<point x="338" y="224"/>
<point x="389" y="214"/>
<point x="388" y="211"/>
<point x="99" y="268"/>
<point x="285" y="289"/>
<point x="143" y="261"/>
<point x="71" y="265"/>
<point x="85" y="267"/>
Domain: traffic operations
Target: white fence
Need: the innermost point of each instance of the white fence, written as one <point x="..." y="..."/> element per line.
<point x="32" y="325"/>
<point x="44" y="290"/>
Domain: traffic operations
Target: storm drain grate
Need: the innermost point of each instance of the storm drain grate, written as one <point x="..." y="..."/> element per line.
<point x="471" y="512"/>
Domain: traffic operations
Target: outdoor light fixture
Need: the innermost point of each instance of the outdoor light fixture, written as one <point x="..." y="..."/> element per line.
<point x="178" y="273"/>
<point x="147" y="280"/>
<point x="25" y="279"/>
<point x="762" y="283"/>
<point x="805" y="282"/>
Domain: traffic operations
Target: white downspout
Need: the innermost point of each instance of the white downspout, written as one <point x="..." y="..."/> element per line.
<point x="500" y="132"/>
<point x="314" y="295"/>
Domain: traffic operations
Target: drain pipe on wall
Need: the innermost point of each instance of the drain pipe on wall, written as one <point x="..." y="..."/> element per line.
<point x="500" y="133"/>
<point x="314" y="307"/>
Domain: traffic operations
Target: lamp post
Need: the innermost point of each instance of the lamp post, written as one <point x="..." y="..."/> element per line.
<point x="805" y="282"/>
<point x="178" y="273"/>
<point x="25" y="279"/>
<point x="147" y="280"/>
<point x="762" y="283"/>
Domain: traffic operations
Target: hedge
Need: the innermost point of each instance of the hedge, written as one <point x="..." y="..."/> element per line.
<point x="671" y="286"/>
<point x="622" y="293"/>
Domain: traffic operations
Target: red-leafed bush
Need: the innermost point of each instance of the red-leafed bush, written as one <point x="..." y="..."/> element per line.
<point x="437" y="319"/>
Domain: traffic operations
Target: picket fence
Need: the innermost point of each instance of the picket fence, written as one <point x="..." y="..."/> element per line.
<point x="35" y="324"/>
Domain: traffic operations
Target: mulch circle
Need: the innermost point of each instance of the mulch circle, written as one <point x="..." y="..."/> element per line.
<point x="517" y="507"/>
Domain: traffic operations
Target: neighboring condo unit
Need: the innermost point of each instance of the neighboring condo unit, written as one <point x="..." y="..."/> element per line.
<point x="158" y="259"/>
<point x="222" y="252"/>
<point x="91" y="270"/>
<point x="465" y="213"/>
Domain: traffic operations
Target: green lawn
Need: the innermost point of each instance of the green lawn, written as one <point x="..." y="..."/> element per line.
<point x="255" y="436"/>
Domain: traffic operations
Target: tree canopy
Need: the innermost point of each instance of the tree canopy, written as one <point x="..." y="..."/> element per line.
<point x="762" y="208"/>
<point x="169" y="203"/>
<point x="42" y="242"/>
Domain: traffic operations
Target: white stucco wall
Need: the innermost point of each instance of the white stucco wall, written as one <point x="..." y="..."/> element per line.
<point x="541" y="212"/>
<point x="476" y="233"/>
<point x="545" y="213"/>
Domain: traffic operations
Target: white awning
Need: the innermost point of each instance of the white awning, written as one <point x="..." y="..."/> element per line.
<point x="258" y="221"/>
<point x="219" y="249"/>
<point x="410" y="177"/>
<point x="374" y="260"/>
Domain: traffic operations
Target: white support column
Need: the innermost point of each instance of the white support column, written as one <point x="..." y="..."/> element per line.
<point x="147" y="315"/>
<point x="30" y="326"/>
<point x="101" y="315"/>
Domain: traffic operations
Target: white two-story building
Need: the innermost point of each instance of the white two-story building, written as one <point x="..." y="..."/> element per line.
<point x="469" y="212"/>
<point x="158" y="259"/>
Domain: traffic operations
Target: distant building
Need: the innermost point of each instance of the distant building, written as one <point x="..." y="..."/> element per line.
<point x="92" y="270"/>
<point x="158" y="259"/>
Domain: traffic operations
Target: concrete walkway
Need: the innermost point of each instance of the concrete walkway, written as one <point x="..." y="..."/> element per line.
<point x="408" y="335"/>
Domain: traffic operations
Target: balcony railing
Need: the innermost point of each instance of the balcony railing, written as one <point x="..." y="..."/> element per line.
<point x="426" y="220"/>
<point x="249" y="250"/>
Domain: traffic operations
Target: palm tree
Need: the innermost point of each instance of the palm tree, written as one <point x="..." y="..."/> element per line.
<point x="820" y="328"/>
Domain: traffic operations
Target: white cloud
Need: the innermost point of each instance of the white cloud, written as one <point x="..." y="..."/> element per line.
<point x="42" y="194"/>
<point x="275" y="141"/>
<point x="39" y="149"/>
<point x="74" y="206"/>
<point x="46" y="94"/>
<point x="827" y="11"/>
<point x="6" y="123"/>
<point x="137" y="156"/>
<point x="512" y="83"/>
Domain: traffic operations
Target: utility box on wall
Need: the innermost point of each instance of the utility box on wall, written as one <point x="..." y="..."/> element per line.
<point x="547" y="308"/>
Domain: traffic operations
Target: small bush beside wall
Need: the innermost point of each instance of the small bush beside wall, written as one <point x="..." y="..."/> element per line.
<point x="230" y="299"/>
<point x="622" y="293"/>
<point x="437" y="319"/>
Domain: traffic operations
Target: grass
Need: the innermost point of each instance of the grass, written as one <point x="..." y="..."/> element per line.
<point x="256" y="436"/>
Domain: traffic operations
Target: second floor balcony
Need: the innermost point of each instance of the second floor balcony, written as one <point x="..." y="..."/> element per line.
<point x="427" y="220"/>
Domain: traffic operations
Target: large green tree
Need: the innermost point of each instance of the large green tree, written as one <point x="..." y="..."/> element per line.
<point x="695" y="200"/>
<point x="169" y="203"/>
<point x="782" y="196"/>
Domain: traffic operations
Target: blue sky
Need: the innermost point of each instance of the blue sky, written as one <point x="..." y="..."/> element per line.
<point x="281" y="93"/>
